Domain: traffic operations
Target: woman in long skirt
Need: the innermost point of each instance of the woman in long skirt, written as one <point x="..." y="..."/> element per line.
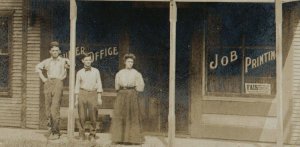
<point x="126" y="123"/>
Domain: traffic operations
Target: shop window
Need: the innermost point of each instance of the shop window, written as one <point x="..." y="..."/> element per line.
<point x="240" y="51"/>
<point x="4" y="55"/>
<point x="95" y="36"/>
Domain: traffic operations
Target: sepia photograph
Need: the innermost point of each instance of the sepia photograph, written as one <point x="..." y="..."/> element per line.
<point x="149" y="73"/>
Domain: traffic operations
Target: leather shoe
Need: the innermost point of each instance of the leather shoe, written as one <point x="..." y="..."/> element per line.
<point x="53" y="137"/>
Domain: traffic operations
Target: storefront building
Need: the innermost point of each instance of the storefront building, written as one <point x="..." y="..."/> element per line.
<point x="225" y="63"/>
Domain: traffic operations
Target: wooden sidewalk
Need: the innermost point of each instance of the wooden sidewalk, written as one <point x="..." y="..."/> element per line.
<point x="36" y="138"/>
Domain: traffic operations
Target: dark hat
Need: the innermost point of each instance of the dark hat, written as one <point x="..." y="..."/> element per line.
<point x="54" y="43"/>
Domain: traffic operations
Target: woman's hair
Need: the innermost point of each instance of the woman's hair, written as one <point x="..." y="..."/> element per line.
<point x="129" y="55"/>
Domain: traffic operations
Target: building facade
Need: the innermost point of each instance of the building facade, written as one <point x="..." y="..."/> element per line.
<point x="226" y="63"/>
<point x="20" y="51"/>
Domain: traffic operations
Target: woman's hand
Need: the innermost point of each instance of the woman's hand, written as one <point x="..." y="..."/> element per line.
<point x="99" y="100"/>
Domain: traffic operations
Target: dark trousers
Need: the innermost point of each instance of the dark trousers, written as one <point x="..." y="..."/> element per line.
<point x="87" y="101"/>
<point x="126" y="122"/>
<point x="53" y="93"/>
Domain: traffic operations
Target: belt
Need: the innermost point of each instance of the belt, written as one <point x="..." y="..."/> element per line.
<point x="124" y="88"/>
<point x="88" y="90"/>
<point x="52" y="78"/>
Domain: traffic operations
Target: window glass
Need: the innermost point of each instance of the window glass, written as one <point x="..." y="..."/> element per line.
<point x="4" y="56"/>
<point x="240" y="51"/>
<point x="224" y="70"/>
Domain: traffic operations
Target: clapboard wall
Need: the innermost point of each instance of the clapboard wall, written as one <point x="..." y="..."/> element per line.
<point x="293" y="136"/>
<point x="33" y="81"/>
<point x="287" y="38"/>
<point x="21" y="107"/>
<point x="10" y="106"/>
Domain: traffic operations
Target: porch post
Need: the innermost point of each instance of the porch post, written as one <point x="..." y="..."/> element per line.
<point x="279" y="82"/>
<point x="171" y="117"/>
<point x="73" y="17"/>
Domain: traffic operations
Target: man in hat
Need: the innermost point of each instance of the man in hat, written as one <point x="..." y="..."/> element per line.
<point x="56" y="71"/>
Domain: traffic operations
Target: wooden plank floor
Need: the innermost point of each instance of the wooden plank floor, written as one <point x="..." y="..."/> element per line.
<point x="32" y="138"/>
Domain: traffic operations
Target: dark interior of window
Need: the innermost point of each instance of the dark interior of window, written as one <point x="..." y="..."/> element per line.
<point x="240" y="50"/>
<point x="4" y="56"/>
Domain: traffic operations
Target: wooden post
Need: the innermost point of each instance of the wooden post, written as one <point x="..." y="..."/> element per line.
<point x="279" y="82"/>
<point x="171" y="117"/>
<point x="73" y="17"/>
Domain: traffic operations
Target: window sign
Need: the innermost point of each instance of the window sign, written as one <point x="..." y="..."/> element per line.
<point x="260" y="67"/>
<point x="240" y="51"/>
<point x="256" y="59"/>
<point x="224" y="70"/>
<point x="97" y="53"/>
<point x="260" y="62"/>
<point x="224" y="60"/>
<point x="97" y="35"/>
<point x="105" y="58"/>
<point x="258" y="88"/>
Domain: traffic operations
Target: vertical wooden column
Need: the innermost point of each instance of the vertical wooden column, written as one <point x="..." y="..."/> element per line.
<point x="73" y="18"/>
<point x="172" y="76"/>
<point x="279" y="82"/>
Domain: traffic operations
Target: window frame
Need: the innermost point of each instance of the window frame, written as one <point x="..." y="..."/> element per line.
<point x="6" y="92"/>
<point x="231" y="96"/>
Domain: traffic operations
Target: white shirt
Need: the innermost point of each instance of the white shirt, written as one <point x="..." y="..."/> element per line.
<point x="88" y="80"/>
<point x="56" y="68"/>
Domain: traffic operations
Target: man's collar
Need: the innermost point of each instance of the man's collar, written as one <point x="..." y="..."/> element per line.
<point x="58" y="58"/>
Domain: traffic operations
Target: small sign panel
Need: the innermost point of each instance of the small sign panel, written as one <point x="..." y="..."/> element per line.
<point x="258" y="88"/>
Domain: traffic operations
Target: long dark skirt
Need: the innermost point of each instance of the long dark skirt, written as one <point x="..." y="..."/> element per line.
<point x="126" y="124"/>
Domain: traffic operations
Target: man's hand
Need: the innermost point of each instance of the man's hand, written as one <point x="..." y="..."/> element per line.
<point x="44" y="80"/>
<point x="67" y="64"/>
<point x="99" y="100"/>
<point x="76" y="101"/>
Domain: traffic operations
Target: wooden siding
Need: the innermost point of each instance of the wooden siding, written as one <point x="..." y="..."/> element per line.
<point x="11" y="107"/>
<point x="10" y="112"/>
<point x="287" y="33"/>
<point x="33" y="85"/>
<point x="294" y="125"/>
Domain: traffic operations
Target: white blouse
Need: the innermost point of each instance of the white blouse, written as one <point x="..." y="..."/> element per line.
<point x="129" y="78"/>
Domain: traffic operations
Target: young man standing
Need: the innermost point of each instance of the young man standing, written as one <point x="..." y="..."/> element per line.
<point x="88" y="89"/>
<point x="56" y="72"/>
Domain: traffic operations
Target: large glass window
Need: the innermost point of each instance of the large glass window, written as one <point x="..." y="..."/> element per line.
<point x="4" y="55"/>
<point x="240" y="50"/>
<point x="97" y="35"/>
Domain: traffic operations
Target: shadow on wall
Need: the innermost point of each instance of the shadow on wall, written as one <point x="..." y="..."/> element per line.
<point x="291" y="23"/>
